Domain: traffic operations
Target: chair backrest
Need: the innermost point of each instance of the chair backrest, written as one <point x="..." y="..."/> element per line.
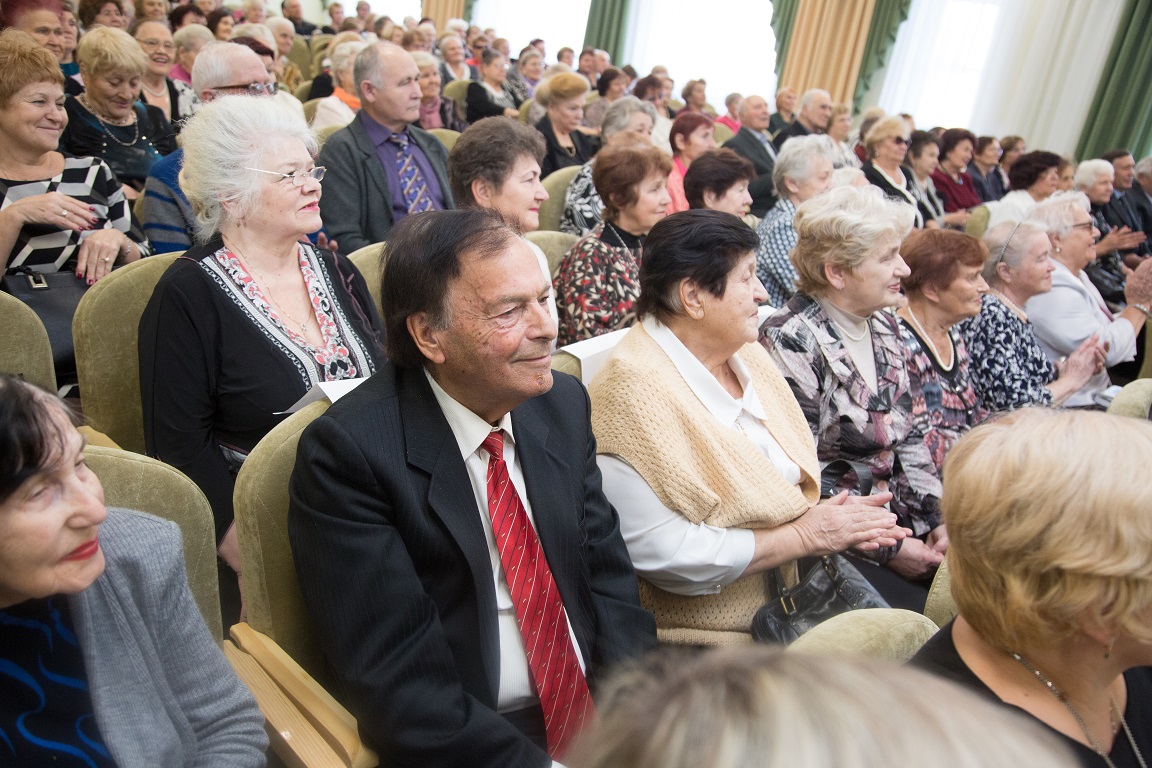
<point x="1146" y="366"/>
<point x="310" y="109"/>
<point x="320" y="42"/>
<point x="447" y="136"/>
<point x="24" y="347"/>
<point x="301" y="56"/>
<point x="137" y="482"/>
<point x="525" y="107"/>
<point x="977" y="223"/>
<point x="303" y="90"/>
<point x="106" y="333"/>
<point x="271" y="590"/>
<point x="325" y="133"/>
<point x="674" y="104"/>
<point x="940" y="607"/>
<point x="457" y="90"/>
<point x="721" y="133"/>
<point x="557" y="185"/>
<point x="710" y="111"/>
<point x="1134" y="400"/>
<point x="893" y="634"/>
<point x="555" y="246"/>
<point x="370" y="261"/>
<point x="591" y="96"/>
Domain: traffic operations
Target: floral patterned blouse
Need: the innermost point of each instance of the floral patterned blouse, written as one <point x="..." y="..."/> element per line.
<point x="944" y="402"/>
<point x="848" y="420"/>
<point x="598" y="284"/>
<point x="583" y="208"/>
<point x="1008" y="367"/>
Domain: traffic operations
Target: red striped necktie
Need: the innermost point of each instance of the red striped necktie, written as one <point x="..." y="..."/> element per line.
<point x="552" y="657"/>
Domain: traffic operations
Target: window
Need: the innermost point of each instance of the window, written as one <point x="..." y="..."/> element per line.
<point x="559" y="25"/>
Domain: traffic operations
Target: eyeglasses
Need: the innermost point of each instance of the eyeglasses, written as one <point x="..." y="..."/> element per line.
<point x="299" y="177"/>
<point x="252" y="89"/>
<point x="1088" y="225"/>
<point x="900" y="140"/>
<point x="154" y="44"/>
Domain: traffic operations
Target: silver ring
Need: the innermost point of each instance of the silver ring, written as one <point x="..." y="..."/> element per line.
<point x="64" y="213"/>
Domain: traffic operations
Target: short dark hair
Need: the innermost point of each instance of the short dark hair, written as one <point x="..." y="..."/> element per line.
<point x="685" y="124"/>
<point x="177" y="14"/>
<point x="489" y="55"/>
<point x="1030" y="166"/>
<point x="952" y="137"/>
<point x="606" y="79"/>
<point x="642" y="87"/>
<point x="215" y="17"/>
<point x="698" y="245"/>
<point x="488" y="150"/>
<point x="983" y="142"/>
<point x="715" y="171"/>
<point x="422" y="258"/>
<point x="620" y="169"/>
<point x="1113" y="155"/>
<point x="919" y="140"/>
<point x="29" y="440"/>
<point x="935" y="256"/>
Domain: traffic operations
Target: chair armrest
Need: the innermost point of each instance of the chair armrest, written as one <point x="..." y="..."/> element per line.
<point x="331" y="721"/>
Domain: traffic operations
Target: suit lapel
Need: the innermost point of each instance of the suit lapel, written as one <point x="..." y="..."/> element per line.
<point x="371" y="160"/>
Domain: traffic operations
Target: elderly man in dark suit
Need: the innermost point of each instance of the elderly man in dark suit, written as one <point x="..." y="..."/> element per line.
<point x="1141" y="194"/>
<point x="753" y="142"/>
<point x="1119" y="211"/>
<point x="465" y="571"/>
<point x="380" y="167"/>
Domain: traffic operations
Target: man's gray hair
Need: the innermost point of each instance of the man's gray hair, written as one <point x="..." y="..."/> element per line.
<point x="369" y="65"/>
<point x="617" y="116"/>
<point x="257" y="32"/>
<point x="810" y="95"/>
<point x="272" y="22"/>
<point x="217" y="63"/>
<point x="187" y="38"/>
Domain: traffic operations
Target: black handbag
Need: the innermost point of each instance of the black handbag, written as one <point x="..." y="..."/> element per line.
<point x="830" y="587"/>
<point x="53" y="296"/>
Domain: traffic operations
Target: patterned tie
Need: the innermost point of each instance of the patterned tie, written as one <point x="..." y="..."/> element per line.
<point x="411" y="179"/>
<point x="552" y="658"/>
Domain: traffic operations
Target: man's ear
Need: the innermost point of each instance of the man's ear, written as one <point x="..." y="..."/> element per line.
<point x="426" y="336"/>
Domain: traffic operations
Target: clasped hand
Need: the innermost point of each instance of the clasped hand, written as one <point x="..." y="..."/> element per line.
<point x="849" y="522"/>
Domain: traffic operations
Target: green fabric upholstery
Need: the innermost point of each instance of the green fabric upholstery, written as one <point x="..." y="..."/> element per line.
<point x="302" y="91"/>
<point x="301" y="56"/>
<point x="24" y="347"/>
<point x="566" y="362"/>
<point x="447" y="136"/>
<point x="1134" y="400"/>
<point x="271" y="591"/>
<point x="106" y="333"/>
<point x="883" y="633"/>
<point x="137" y="482"/>
<point x="940" y="607"/>
<point x="370" y="261"/>
<point x="556" y="183"/>
<point x="554" y="244"/>
<point x="310" y="109"/>
<point x="978" y="222"/>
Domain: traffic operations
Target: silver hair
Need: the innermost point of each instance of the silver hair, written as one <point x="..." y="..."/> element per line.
<point x="344" y="55"/>
<point x="423" y="59"/>
<point x="370" y="64"/>
<point x="217" y="63"/>
<point x="1089" y="171"/>
<point x="617" y="116"/>
<point x="732" y="98"/>
<point x="1144" y="167"/>
<point x="278" y="21"/>
<point x="225" y="138"/>
<point x="256" y="32"/>
<point x="797" y="160"/>
<point x="742" y="110"/>
<point x="186" y="37"/>
<point x="848" y="176"/>
<point x="1055" y="212"/>
<point x="810" y="96"/>
<point x="1008" y="244"/>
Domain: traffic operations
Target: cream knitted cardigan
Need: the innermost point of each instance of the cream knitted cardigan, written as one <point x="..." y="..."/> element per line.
<point x="644" y="412"/>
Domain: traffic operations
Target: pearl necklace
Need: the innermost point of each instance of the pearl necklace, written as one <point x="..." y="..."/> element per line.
<point x="1009" y="303"/>
<point x="1114" y="714"/>
<point x="931" y="346"/>
<point x="157" y="94"/>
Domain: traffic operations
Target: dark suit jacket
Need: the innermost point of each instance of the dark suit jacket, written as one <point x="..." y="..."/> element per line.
<point x="763" y="191"/>
<point x="395" y="569"/>
<point x="795" y="128"/>
<point x="1142" y="204"/>
<point x="1119" y="212"/>
<point x="357" y="204"/>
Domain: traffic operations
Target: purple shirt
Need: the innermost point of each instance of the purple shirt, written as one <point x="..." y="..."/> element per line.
<point x="388" y="152"/>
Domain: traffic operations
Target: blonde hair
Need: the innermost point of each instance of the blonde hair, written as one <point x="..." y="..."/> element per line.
<point x="561" y="87"/>
<point x="844" y="226"/>
<point x="884" y="128"/>
<point x="761" y="707"/>
<point x="105" y="50"/>
<point x="1049" y="526"/>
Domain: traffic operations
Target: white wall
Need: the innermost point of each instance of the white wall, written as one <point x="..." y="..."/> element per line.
<point x="558" y="24"/>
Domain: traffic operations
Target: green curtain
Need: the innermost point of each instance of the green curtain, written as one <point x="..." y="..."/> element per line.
<point x="467" y="14"/>
<point x="887" y="17"/>
<point x="607" y="20"/>
<point x="783" y="19"/>
<point x="1121" y="113"/>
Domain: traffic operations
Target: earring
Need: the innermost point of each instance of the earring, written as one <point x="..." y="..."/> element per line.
<point x="1058" y="249"/>
<point x="1108" y="652"/>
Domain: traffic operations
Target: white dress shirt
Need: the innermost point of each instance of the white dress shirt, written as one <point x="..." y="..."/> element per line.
<point x="1066" y="316"/>
<point x="516" y="691"/>
<point x="667" y="548"/>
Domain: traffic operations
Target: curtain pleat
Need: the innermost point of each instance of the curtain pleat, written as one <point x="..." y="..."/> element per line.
<point x="442" y="10"/>
<point x="826" y="46"/>
<point x="607" y="22"/>
<point x="1121" y="112"/>
<point x="886" y="20"/>
<point x="783" y="19"/>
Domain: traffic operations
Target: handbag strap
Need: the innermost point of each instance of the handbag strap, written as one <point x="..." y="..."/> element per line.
<point x="835" y="471"/>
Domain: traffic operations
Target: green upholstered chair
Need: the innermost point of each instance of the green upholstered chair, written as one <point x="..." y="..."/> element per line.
<point x="447" y="136"/>
<point x="370" y="261"/>
<point x="1134" y="400"/>
<point x="24" y="347"/>
<point x="106" y="333"/>
<point x="721" y="133"/>
<point x="557" y="185"/>
<point x="893" y="634"/>
<point x="1146" y="367"/>
<point x="321" y="41"/>
<point x="457" y="90"/>
<point x="555" y="246"/>
<point x="302" y="91"/>
<point x="325" y="133"/>
<point x="301" y="56"/>
<point x="978" y="222"/>
<point x="137" y="482"/>
<point x="940" y="607"/>
<point x="525" y="108"/>
<point x="310" y="109"/>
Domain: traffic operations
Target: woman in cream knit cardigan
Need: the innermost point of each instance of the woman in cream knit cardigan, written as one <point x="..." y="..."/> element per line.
<point x="704" y="450"/>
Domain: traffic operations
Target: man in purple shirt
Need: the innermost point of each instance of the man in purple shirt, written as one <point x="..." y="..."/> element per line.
<point x="381" y="167"/>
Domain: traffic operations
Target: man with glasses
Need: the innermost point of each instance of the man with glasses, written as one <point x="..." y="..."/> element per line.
<point x="381" y="166"/>
<point x="221" y="69"/>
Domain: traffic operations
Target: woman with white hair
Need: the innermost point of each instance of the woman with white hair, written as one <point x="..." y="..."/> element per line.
<point x="436" y="109"/>
<point x="341" y="107"/>
<point x="1009" y="368"/>
<point x="803" y="170"/>
<point x="188" y="41"/>
<point x="1095" y="179"/>
<point x="843" y="357"/>
<point x="1074" y="310"/>
<point x="252" y="316"/>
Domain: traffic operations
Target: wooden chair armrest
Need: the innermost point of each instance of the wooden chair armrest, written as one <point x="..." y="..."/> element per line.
<point x="335" y="725"/>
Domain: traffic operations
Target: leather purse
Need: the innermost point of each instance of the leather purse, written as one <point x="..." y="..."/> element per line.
<point x="53" y="296"/>
<point x="830" y="587"/>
